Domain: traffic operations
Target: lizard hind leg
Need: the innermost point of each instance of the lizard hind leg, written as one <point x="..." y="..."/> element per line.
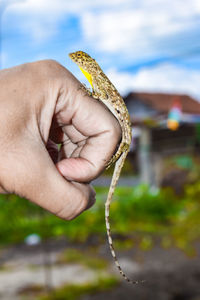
<point x="122" y="148"/>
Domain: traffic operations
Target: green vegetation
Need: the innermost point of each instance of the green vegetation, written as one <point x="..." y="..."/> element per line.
<point x="138" y="214"/>
<point x="74" y="292"/>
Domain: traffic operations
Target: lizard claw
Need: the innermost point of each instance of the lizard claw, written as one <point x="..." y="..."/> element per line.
<point x="122" y="148"/>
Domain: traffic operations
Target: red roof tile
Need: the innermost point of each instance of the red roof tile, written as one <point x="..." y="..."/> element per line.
<point x="163" y="102"/>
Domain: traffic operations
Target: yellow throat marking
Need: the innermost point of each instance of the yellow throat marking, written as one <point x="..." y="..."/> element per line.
<point x="88" y="76"/>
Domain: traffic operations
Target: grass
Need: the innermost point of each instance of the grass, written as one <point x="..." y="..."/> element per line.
<point x="132" y="210"/>
<point x="31" y="290"/>
<point x="139" y="211"/>
<point x="75" y="292"/>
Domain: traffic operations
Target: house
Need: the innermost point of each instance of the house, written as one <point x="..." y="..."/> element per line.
<point x="153" y="140"/>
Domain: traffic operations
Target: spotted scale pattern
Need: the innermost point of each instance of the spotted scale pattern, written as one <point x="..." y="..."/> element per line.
<point x="104" y="91"/>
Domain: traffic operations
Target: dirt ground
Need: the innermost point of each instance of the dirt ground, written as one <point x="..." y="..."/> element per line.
<point x="169" y="274"/>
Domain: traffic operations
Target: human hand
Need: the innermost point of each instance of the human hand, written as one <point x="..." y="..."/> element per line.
<point x="41" y="105"/>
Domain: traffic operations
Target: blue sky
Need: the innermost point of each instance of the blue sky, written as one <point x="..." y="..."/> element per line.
<point x="146" y="45"/>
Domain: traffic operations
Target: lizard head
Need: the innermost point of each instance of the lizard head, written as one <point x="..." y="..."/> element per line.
<point x="83" y="60"/>
<point x="86" y="63"/>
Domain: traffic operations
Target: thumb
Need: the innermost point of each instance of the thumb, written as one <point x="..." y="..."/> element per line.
<point x="37" y="179"/>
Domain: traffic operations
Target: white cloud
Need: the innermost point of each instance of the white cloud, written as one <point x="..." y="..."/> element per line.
<point x="129" y="29"/>
<point x="41" y="18"/>
<point x="164" y="78"/>
<point x="136" y="28"/>
<point x="115" y="25"/>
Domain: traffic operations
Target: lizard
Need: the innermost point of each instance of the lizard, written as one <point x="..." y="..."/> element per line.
<point x="104" y="91"/>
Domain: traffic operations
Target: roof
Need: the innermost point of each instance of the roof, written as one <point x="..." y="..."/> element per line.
<point x="163" y="102"/>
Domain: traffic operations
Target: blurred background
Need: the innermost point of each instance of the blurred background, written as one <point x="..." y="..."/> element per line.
<point x="151" y="52"/>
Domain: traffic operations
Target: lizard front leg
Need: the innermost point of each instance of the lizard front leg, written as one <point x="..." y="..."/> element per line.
<point x="86" y="89"/>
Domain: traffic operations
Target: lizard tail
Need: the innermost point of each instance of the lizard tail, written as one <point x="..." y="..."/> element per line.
<point x="117" y="170"/>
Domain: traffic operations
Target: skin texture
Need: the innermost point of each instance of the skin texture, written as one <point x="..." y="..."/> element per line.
<point x="105" y="92"/>
<point x="42" y="104"/>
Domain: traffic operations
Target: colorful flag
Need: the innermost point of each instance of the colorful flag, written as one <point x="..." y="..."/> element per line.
<point x="174" y="115"/>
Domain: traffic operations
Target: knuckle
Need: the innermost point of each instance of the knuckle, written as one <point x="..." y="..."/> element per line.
<point x="76" y="207"/>
<point x="83" y="201"/>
